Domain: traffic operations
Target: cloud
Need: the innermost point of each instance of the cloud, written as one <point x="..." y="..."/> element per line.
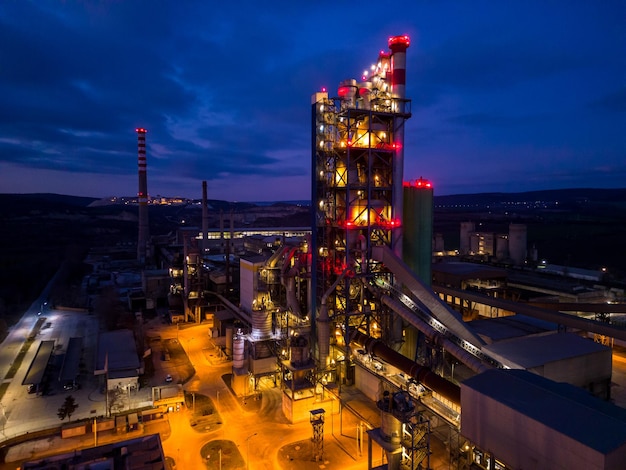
<point x="224" y="90"/>
<point x="614" y="102"/>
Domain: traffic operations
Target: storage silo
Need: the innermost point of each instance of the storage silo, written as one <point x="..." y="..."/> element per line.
<point x="518" y="243"/>
<point x="417" y="244"/>
<point x="467" y="228"/>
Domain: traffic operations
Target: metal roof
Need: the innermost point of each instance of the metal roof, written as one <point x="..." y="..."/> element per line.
<point x="565" y="408"/>
<point x="534" y="351"/>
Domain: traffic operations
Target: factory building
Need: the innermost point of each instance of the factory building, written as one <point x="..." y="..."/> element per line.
<point x="517" y="419"/>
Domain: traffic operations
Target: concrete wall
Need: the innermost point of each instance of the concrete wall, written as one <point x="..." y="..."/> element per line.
<point x="367" y="383"/>
<point x="298" y="411"/>
<point x="248" y="273"/>
<point x="582" y="371"/>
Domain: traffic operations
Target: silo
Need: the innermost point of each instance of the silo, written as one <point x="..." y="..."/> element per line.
<point x="417" y="243"/>
<point x="518" y="243"/>
<point x="502" y="246"/>
<point x="467" y="228"/>
<point x="238" y="351"/>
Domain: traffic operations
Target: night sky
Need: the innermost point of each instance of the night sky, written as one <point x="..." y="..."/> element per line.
<point x="506" y="96"/>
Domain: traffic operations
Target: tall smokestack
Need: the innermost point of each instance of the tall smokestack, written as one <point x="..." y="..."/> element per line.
<point x="205" y="220"/>
<point x="142" y="196"/>
<point x="398" y="46"/>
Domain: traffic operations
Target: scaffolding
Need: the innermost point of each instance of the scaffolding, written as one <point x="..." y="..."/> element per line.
<point x="415" y="443"/>
<point x="355" y="193"/>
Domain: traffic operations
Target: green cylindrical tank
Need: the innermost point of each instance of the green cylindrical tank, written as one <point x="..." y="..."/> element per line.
<point x="417" y="244"/>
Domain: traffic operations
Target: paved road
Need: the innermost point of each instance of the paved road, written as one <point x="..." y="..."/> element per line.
<point x="257" y="428"/>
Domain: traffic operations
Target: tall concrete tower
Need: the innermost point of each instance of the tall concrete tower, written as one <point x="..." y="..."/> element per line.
<point x="142" y="197"/>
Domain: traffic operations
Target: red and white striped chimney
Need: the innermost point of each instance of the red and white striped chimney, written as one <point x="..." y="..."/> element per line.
<point x="142" y="197"/>
<point x="398" y="46"/>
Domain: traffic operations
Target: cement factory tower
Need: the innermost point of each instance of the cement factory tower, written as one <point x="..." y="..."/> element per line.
<point x="357" y="193"/>
<point x="142" y="197"/>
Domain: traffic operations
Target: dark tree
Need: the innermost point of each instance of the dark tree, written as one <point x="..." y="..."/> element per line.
<point x="68" y="407"/>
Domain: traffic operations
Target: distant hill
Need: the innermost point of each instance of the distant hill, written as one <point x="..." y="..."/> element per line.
<point x="575" y="195"/>
<point x="15" y="204"/>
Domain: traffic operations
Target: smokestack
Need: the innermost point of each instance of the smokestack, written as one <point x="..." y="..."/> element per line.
<point x="205" y="220"/>
<point x="398" y="46"/>
<point x="142" y="196"/>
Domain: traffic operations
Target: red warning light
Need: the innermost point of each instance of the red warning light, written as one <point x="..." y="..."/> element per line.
<point x="419" y="183"/>
<point x="323" y="89"/>
<point x="392" y="223"/>
<point x="399" y="40"/>
<point x="343" y="91"/>
<point x="141" y="129"/>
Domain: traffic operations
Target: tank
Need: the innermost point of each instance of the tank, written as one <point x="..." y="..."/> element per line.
<point x="390" y="427"/>
<point x="261" y="325"/>
<point x="299" y="350"/>
<point x="417" y="246"/>
<point x="347" y="91"/>
<point x="238" y="351"/>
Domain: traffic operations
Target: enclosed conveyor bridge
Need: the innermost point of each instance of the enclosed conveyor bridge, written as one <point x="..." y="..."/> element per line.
<point x="424" y="307"/>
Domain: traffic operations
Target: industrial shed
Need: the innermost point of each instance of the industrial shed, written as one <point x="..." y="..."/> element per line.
<point x="562" y="357"/>
<point x="526" y="421"/>
<point x="117" y="359"/>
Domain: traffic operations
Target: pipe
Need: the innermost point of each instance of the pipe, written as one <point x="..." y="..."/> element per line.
<point x="288" y="279"/>
<point x="322" y="322"/>
<point x="422" y="374"/>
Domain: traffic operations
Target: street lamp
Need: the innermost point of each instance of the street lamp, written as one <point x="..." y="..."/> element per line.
<point x="248" y="449"/>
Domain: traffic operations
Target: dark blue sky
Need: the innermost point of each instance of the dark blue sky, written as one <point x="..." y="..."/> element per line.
<point x="506" y="96"/>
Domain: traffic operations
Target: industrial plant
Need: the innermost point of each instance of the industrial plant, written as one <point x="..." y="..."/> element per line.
<point x="442" y="350"/>
<point x="351" y="304"/>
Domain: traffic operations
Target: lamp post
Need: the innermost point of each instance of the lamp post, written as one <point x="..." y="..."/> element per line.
<point x="248" y="449"/>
